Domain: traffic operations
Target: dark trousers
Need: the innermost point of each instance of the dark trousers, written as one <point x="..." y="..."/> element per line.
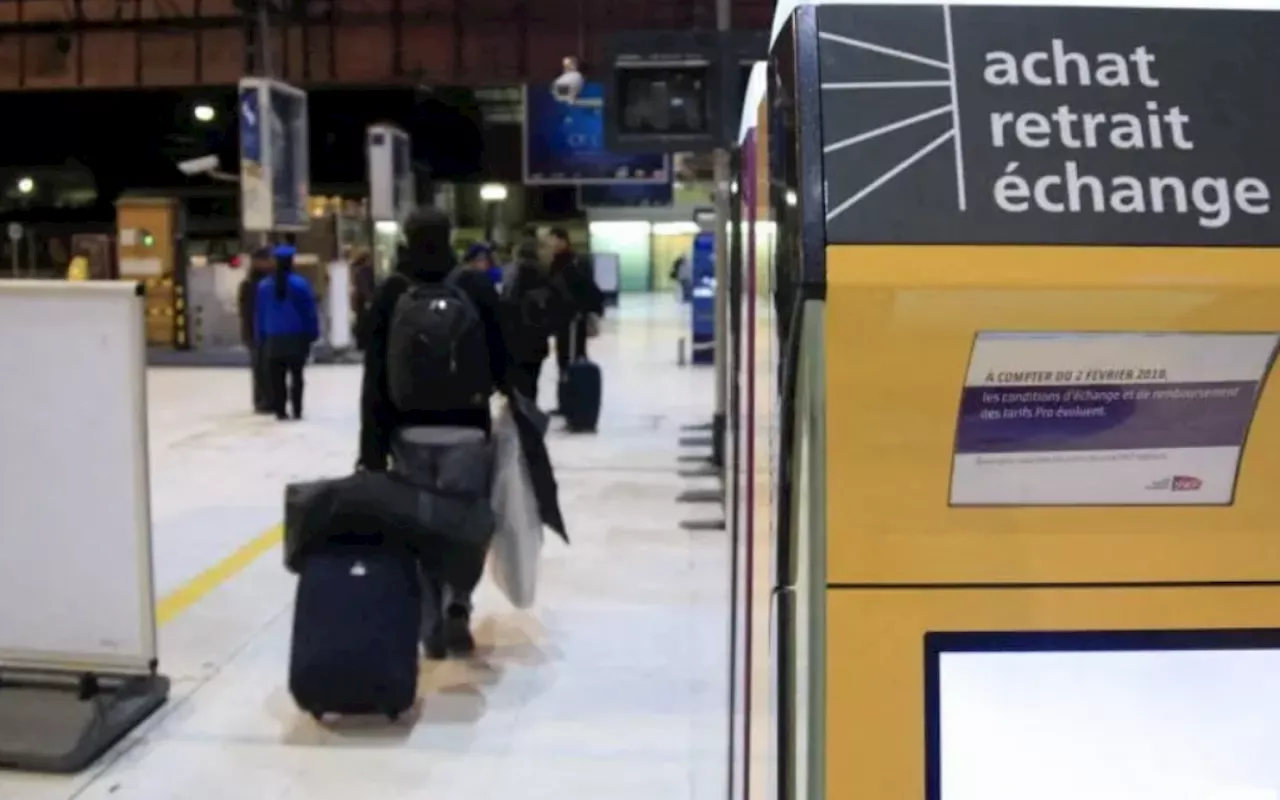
<point x="451" y="570"/>
<point x="450" y="587"/>
<point x="287" y="384"/>
<point x="524" y="378"/>
<point x="260" y="377"/>
<point x="286" y="361"/>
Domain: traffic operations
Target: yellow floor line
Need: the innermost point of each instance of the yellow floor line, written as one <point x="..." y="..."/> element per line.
<point x="202" y="585"/>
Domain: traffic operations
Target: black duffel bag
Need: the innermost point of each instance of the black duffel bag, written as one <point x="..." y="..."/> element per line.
<point x="438" y="493"/>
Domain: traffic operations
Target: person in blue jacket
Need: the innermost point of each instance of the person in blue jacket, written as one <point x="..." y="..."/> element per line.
<point x="479" y="257"/>
<point x="286" y="324"/>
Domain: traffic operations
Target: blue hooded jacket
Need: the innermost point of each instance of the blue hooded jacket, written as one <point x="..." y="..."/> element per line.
<point x="295" y="315"/>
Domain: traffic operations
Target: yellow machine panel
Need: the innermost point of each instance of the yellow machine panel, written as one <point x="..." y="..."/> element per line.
<point x="876" y="663"/>
<point x="901" y="326"/>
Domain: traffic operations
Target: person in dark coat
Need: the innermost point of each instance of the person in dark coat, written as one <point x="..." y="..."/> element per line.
<point x="533" y="311"/>
<point x="260" y="266"/>
<point x="427" y="257"/>
<point x="364" y="283"/>
<point x="581" y="297"/>
<point x="288" y="323"/>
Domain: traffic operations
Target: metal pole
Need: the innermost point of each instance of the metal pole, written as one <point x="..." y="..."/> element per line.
<point x="264" y="42"/>
<point x="262" y="46"/>
<point x="722" y="178"/>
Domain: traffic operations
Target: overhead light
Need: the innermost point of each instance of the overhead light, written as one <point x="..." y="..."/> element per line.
<point x="204" y="112"/>
<point x="26" y="185"/>
<point x="493" y="193"/>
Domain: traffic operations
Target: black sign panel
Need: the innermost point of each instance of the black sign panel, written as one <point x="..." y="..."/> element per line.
<point x="1050" y="125"/>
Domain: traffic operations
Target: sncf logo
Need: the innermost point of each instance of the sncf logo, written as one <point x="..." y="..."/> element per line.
<point x="1176" y="483"/>
<point x="1186" y="483"/>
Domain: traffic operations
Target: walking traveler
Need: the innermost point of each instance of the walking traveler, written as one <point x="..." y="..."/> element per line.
<point x="583" y="300"/>
<point x="435" y="354"/>
<point x="287" y="325"/>
<point x="260" y="266"/>
<point x="533" y="309"/>
<point x="579" y="383"/>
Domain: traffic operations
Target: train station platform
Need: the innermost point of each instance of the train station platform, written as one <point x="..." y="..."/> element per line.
<point x="614" y="685"/>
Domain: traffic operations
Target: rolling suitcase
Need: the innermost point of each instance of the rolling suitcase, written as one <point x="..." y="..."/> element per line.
<point x="357" y="625"/>
<point x="581" y="389"/>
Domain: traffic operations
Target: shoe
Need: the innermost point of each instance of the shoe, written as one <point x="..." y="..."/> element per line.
<point x="451" y="636"/>
<point x="435" y="645"/>
<point x="457" y="632"/>
<point x="283" y="417"/>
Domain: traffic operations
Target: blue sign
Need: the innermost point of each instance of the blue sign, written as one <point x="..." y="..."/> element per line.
<point x="255" y="188"/>
<point x="625" y="195"/>
<point x="703" y="302"/>
<point x="564" y="142"/>
<point x="250" y="125"/>
<point x="274" y="156"/>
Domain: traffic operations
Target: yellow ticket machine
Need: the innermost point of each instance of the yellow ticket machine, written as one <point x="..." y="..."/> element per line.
<point x="149" y="241"/>
<point x="1032" y="455"/>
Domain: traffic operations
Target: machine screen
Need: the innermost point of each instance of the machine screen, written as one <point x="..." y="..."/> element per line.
<point x="1167" y="724"/>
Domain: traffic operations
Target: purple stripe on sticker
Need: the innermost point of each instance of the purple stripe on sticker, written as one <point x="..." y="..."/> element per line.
<point x="1032" y="419"/>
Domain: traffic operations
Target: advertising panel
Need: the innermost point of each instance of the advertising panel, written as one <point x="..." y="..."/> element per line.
<point x="564" y="142"/>
<point x="274" y="156"/>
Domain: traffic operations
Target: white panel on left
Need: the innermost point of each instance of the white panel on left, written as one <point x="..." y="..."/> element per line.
<point x="75" y="561"/>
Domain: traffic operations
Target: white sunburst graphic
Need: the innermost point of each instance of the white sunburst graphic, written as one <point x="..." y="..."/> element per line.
<point x="947" y="79"/>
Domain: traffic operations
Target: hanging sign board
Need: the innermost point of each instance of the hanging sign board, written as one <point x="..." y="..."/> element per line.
<point x="390" y="163"/>
<point x="274" y="156"/>
<point x="1049" y="125"/>
<point x="1106" y="419"/>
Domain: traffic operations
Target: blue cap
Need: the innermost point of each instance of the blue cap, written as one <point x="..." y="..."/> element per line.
<point x="477" y="249"/>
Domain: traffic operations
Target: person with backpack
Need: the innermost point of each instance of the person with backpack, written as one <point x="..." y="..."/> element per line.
<point x="533" y="309"/>
<point x="287" y="323"/>
<point x="435" y="354"/>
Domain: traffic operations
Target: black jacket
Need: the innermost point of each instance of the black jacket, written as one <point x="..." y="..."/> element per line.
<point x="379" y="418"/>
<point x="577" y="283"/>
<point x="247" y="304"/>
<point x="534" y="308"/>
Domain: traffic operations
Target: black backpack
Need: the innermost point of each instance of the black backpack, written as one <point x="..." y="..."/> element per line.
<point x="536" y="303"/>
<point x="437" y="354"/>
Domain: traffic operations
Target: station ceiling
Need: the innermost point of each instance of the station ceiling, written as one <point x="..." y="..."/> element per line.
<point x="116" y="44"/>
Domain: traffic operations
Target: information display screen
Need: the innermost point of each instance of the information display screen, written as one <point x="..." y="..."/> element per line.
<point x="1163" y="716"/>
<point x="667" y="101"/>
